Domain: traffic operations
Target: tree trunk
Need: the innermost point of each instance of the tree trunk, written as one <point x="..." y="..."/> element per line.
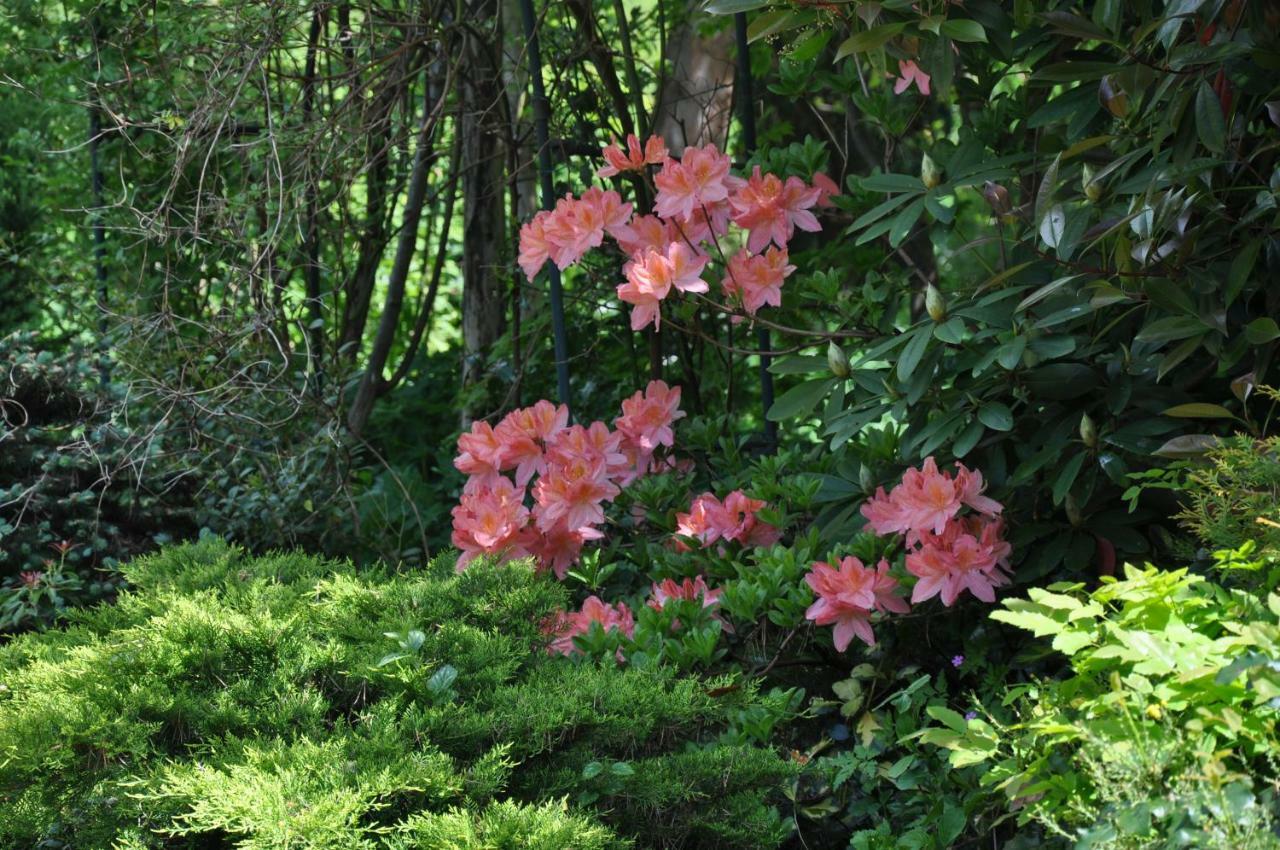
<point x="483" y="197"/>
<point x="695" y="101"/>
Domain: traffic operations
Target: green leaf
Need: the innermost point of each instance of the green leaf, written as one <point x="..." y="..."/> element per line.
<point x="996" y="416"/>
<point x="1199" y="410"/>
<point x="1010" y="354"/>
<point x="950" y="718"/>
<point x="968" y="439"/>
<point x="904" y="221"/>
<point x="963" y="29"/>
<point x="1067" y="477"/>
<point x="1044" y="195"/>
<point x="1209" y="121"/>
<point x="730" y="7"/>
<point x="1187" y="446"/>
<point x="1261" y="330"/>
<point x="861" y="42"/>
<point x="801" y="399"/>
<point x="1241" y="269"/>
<point x="951" y="331"/>
<point x="1169" y="328"/>
<point x="911" y="355"/>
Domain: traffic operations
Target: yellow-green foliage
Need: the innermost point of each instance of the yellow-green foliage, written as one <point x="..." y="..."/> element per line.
<point x="229" y="701"/>
<point x="1235" y="495"/>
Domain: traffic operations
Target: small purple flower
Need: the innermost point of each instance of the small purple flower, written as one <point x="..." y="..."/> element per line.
<point x="957" y="660"/>
<point x="971" y="715"/>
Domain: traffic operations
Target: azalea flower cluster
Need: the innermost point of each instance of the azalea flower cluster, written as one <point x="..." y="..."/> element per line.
<point x="697" y="199"/>
<point x="564" y="626"/>
<point x="710" y="520"/>
<point x="947" y="552"/>
<point x="537" y="486"/>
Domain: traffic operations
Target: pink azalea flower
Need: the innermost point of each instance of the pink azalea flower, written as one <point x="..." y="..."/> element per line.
<point x="707" y="222"/>
<point x="535" y="246"/>
<point x="595" y="443"/>
<point x="705" y="522"/>
<point x="645" y="232"/>
<point x="931" y="497"/>
<point x="480" y="452"/>
<point x="558" y="548"/>
<point x="970" y="485"/>
<point x="692" y="590"/>
<point x="911" y="73"/>
<point x="646" y="305"/>
<point x="572" y="492"/>
<point x="885" y="515"/>
<point x="743" y="526"/>
<point x="756" y="280"/>
<point x="848" y="594"/>
<point x="523" y="434"/>
<point x="701" y="177"/>
<point x="635" y="159"/>
<point x="827" y="189"/>
<point x="965" y="556"/>
<point x="569" y="624"/>
<point x="771" y="209"/>
<point x="647" y="417"/>
<point x="489" y="520"/>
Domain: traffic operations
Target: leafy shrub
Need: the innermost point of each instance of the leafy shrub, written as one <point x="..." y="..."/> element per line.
<point x="1164" y="730"/>
<point x="70" y="502"/>
<point x="288" y="701"/>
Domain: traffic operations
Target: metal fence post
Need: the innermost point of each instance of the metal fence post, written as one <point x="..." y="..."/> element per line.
<point x="541" y="115"/>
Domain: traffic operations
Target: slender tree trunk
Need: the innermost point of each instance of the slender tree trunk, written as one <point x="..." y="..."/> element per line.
<point x="483" y="198"/>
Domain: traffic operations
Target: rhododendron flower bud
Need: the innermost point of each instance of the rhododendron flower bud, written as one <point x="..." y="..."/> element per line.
<point x="848" y="594"/>
<point x="635" y="159"/>
<point x="837" y="360"/>
<point x="930" y="174"/>
<point x="934" y="304"/>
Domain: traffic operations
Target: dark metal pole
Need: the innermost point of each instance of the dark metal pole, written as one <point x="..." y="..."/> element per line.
<point x="541" y="113"/>
<point x="746" y="104"/>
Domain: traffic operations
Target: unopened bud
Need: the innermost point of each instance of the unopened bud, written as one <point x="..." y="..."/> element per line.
<point x="997" y="198"/>
<point x="837" y="360"/>
<point x="1092" y="189"/>
<point x="1073" y="511"/>
<point x="930" y="174"/>
<point x="1088" y="431"/>
<point x="934" y="304"/>
<point x="865" y="478"/>
<point x="1113" y="97"/>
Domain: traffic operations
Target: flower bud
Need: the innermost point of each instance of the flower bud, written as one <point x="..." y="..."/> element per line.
<point x="1088" y="431"/>
<point x="866" y="479"/>
<point x="837" y="360"/>
<point x="1113" y="97"/>
<point x="930" y="174"/>
<point x="997" y="197"/>
<point x="1073" y="511"/>
<point x="934" y="304"/>
<point x="1092" y="189"/>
